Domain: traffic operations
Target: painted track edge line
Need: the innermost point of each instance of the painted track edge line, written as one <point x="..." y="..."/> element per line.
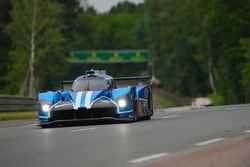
<point x="82" y="130"/>
<point x="247" y="131"/>
<point x="147" y="158"/>
<point x="171" y="116"/>
<point x="209" y="141"/>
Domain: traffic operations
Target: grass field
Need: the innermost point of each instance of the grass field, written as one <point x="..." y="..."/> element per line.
<point x="163" y="102"/>
<point x="17" y="115"/>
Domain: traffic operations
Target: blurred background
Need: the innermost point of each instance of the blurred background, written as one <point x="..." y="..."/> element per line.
<point x="198" y="47"/>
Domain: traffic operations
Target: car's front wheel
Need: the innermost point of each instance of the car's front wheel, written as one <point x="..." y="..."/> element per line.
<point x="45" y="126"/>
<point x="135" y="118"/>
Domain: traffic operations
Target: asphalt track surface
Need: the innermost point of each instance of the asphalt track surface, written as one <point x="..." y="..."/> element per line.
<point x="127" y="144"/>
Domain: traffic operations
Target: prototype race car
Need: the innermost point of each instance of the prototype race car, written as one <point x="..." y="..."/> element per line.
<point x="95" y="96"/>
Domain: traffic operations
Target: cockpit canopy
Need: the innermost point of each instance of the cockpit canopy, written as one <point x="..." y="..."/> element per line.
<point x="91" y="84"/>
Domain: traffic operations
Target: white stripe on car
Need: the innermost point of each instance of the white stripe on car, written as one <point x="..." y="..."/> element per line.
<point x="78" y="100"/>
<point x="88" y="99"/>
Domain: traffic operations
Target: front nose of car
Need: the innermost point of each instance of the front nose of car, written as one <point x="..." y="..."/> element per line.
<point x="85" y="99"/>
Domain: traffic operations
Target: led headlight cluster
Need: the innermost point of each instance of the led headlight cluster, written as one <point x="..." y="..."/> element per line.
<point x="45" y="107"/>
<point x="122" y="103"/>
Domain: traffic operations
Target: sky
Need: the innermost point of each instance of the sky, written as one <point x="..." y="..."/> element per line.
<point x="105" y="5"/>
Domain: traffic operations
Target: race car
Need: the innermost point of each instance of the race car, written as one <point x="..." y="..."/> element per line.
<point x="95" y="96"/>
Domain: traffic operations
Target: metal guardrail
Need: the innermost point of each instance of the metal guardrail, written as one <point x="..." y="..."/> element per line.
<point x="17" y="103"/>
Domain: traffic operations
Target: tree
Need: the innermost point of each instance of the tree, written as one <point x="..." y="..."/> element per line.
<point x="118" y="29"/>
<point x="5" y="42"/>
<point x="71" y="11"/>
<point x="171" y="38"/>
<point x="201" y="46"/>
<point x="246" y="68"/>
<point x="35" y="31"/>
<point x="224" y="25"/>
<point x="124" y="7"/>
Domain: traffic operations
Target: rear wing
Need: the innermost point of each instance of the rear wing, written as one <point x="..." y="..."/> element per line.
<point x="66" y="85"/>
<point x="135" y="81"/>
<point x="138" y="78"/>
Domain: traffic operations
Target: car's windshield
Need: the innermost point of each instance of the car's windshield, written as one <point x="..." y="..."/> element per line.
<point x="83" y="84"/>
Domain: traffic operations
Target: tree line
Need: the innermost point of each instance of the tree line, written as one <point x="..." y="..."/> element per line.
<point x="202" y="46"/>
<point x="199" y="47"/>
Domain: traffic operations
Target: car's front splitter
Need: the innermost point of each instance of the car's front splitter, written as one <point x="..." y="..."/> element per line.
<point x="89" y="120"/>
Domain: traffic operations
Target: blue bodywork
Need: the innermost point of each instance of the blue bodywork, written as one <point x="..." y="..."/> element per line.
<point x="116" y="103"/>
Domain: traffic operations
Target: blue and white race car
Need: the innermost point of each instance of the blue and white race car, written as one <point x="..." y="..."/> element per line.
<point x="95" y="96"/>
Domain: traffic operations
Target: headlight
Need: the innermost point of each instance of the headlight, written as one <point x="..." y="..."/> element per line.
<point x="45" y="107"/>
<point x="122" y="103"/>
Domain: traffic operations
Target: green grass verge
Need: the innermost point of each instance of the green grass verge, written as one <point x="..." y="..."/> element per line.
<point x="163" y="102"/>
<point x="17" y="115"/>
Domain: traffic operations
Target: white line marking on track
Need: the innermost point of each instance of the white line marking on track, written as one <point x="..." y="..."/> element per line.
<point x="147" y="158"/>
<point x="82" y="130"/>
<point x="171" y="116"/>
<point x="209" y="141"/>
<point x="247" y="131"/>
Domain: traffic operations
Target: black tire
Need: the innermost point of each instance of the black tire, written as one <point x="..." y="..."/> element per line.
<point x="135" y="118"/>
<point x="148" y="117"/>
<point x="45" y="126"/>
